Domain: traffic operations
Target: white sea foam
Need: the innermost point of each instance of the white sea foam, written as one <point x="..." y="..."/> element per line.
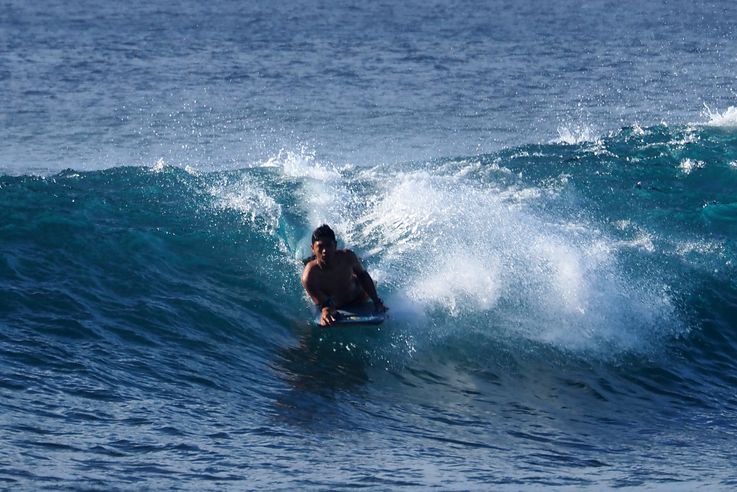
<point x="703" y="247"/>
<point x="638" y="130"/>
<point x="325" y="197"/>
<point x="303" y="164"/>
<point x="688" y="165"/>
<point x="250" y="200"/>
<point x="727" y="119"/>
<point x="574" y="135"/>
<point x="467" y="249"/>
<point x="643" y="241"/>
<point x="158" y="166"/>
<point x="690" y="136"/>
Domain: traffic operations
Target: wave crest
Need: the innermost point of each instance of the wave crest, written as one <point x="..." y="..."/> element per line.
<point x="725" y="119"/>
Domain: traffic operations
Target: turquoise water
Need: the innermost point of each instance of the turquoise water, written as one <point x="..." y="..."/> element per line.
<point x="542" y="196"/>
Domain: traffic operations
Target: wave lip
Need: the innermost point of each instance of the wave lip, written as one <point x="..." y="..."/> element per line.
<point x="577" y="134"/>
<point x="726" y="119"/>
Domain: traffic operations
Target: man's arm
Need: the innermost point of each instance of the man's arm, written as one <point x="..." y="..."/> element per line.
<point x="322" y="301"/>
<point x="366" y="282"/>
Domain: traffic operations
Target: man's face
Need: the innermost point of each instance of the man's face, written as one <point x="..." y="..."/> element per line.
<point x="323" y="249"/>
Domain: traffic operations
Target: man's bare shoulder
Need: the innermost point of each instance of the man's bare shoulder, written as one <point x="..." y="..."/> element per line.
<point x="309" y="268"/>
<point x="346" y="253"/>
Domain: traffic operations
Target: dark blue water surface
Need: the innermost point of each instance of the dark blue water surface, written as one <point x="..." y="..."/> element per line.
<point x="544" y="193"/>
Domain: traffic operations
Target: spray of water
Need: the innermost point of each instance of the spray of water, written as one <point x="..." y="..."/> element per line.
<point x="473" y="254"/>
<point x="726" y="119"/>
<point x="460" y="249"/>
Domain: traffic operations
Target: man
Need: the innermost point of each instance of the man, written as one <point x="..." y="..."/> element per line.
<point x="335" y="277"/>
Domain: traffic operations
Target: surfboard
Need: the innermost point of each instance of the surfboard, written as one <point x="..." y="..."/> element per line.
<point x="360" y="314"/>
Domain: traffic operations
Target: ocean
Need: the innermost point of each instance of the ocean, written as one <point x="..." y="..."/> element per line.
<point x="545" y="194"/>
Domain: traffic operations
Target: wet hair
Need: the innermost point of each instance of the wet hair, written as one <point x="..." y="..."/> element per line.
<point x="323" y="232"/>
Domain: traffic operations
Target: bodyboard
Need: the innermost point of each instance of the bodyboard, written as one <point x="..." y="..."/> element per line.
<point x="359" y="314"/>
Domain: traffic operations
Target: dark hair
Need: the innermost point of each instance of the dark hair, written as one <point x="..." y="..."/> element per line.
<point x="324" y="231"/>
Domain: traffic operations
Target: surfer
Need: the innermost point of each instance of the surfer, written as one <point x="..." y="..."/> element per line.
<point x="335" y="278"/>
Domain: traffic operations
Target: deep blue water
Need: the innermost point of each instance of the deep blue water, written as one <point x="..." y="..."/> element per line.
<point x="545" y="194"/>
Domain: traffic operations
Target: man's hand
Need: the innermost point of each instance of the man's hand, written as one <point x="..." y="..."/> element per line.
<point x="327" y="316"/>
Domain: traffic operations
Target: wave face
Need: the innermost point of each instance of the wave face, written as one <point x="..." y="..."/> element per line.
<point x="561" y="314"/>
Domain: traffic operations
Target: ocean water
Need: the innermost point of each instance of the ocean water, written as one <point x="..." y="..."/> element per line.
<point x="546" y="195"/>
